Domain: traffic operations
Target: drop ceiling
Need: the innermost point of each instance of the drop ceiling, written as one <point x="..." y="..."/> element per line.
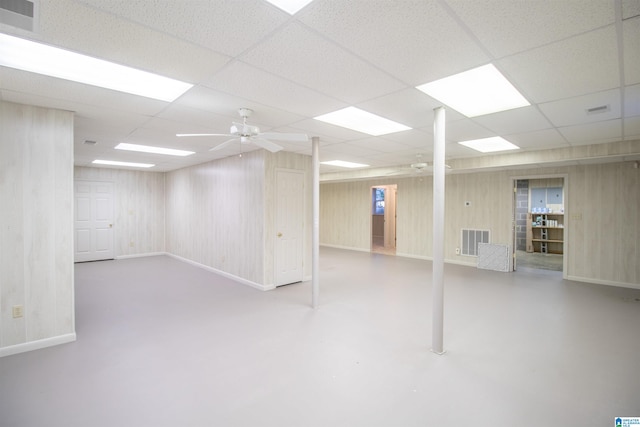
<point x="564" y="56"/>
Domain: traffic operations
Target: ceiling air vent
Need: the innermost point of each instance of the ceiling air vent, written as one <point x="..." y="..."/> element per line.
<point x="18" y="13"/>
<point x="598" y="110"/>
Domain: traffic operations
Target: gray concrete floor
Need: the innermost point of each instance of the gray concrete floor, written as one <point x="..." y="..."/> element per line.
<point x="163" y="343"/>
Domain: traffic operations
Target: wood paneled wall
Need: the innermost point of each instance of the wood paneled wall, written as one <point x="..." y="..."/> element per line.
<point x="36" y="233"/>
<point x="139" y="221"/>
<point x="601" y="207"/>
<point x="215" y="215"/>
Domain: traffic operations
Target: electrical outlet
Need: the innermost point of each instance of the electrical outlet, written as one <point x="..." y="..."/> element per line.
<point x="18" y="311"/>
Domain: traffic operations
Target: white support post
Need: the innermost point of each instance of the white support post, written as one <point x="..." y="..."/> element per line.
<point x="315" y="240"/>
<point x="438" y="231"/>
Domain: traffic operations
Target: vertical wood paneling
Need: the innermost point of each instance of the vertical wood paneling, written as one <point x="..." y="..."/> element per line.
<point x="601" y="204"/>
<point x="215" y="214"/>
<point x="139" y="208"/>
<point x="36" y="193"/>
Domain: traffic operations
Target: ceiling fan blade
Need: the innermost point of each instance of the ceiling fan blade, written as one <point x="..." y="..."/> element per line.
<point x="224" y="144"/>
<point x="294" y="137"/>
<point x="267" y="145"/>
<point x="202" y="134"/>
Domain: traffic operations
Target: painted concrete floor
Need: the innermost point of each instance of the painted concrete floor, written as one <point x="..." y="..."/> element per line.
<point x="163" y="343"/>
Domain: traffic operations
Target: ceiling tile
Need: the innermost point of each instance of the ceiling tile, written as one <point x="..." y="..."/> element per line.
<point x="573" y="111"/>
<point x="632" y="128"/>
<point x="593" y="133"/>
<point x="525" y="119"/>
<point x="538" y="140"/>
<point x="630" y="8"/>
<point x="312" y="61"/>
<point x="631" y="43"/>
<point x="229" y="27"/>
<point x="409" y="39"/>
<point x="572" y="67"/>
<point x="506" y="27"/>
<point x="632" y="101"/>
<point x="242" y="80"/>
<point x="380" y="144"/>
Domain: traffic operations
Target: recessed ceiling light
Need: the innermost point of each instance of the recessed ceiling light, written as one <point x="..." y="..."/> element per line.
<point x="362" y="121"/>
<point x="290" y="6"/>
<point x="51" y="61"/>
<point x="489" y="145"/>
<point x="344" y="164"/>
<point x="129" y="164"/>
<point x="154" y="150"/>
<point x="483" y="90"/>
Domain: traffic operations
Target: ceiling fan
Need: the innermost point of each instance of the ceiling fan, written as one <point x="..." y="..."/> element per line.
<point x="416" y="168"/>
<point x="248" y="134"/>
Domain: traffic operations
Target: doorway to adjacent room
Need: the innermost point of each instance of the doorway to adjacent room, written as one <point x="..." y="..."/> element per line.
<point x="539" y="232"/>
<point x="383" y="219"/>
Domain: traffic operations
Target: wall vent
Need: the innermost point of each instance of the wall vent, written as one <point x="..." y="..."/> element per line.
<point x="470" y="240"/>
<point x="600" y="109"/>
<point x="18" y="13"/>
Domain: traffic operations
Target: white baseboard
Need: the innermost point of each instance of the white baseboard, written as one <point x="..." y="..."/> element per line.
<point x="224" y="274"/>
<point x="604" y="282"/>
<point x="37" y="345"/>
<point x="146" y="254"/>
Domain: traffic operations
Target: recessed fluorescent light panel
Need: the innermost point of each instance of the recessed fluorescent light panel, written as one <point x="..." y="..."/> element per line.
<point x="344" y="164"/>
<point x="128" y="164"/>
<point x="362" y="121"/>
<point x="290" y="6"/>
<point x="483" y="90"/>
<point x="51" y="61"/>
<point x="489" y="145"/>
<point x="154" y="150"/>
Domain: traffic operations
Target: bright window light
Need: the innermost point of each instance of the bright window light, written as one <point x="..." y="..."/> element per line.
<point x="344" y="164"/>
<point x="489" y="145"/>
<point x="290" y="6"/>
<point x="154" y="150"/>
<point x="129" y="164"/>
<point x="51" y="61"/>
<point x="356" y="119"/>
<point x="483" y="90"/>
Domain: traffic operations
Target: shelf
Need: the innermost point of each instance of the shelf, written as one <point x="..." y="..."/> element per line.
<point x="544" y="226"/>
<point x="547" y="240"/>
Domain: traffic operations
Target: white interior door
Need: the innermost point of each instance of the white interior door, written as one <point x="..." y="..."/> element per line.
<point x="93" y="221"/>
<point x="289" y="246"/>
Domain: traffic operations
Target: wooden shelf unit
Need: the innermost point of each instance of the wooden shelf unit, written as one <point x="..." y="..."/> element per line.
<point x="545" y="233"/>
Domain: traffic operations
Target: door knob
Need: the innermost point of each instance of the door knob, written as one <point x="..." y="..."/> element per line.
<point x="110" y="225"/>
<point x="279" y="234"/>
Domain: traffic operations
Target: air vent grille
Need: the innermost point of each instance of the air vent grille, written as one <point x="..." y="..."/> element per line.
<point x="470" y="240"/>
<point x="18" y="13"/>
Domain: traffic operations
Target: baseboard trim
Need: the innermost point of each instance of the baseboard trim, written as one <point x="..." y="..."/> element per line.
<point x="37" y="345"/>
<point x="224" y="274"/>
<point x="146" y="254"/>
<point x="603" y="282"/>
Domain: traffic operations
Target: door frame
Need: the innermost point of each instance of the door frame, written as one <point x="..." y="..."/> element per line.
<point x="567" y="223"/>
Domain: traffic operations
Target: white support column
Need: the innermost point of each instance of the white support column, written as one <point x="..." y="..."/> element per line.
<point x="315" y="240"/>
<point x="438" y="231"/>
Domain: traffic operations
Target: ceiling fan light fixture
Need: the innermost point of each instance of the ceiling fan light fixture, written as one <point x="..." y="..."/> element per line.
<point x="362" y="121"/>
<point x="51" y="61"/>
<point x="153" y="150"/>
<point x="476" y="92"/>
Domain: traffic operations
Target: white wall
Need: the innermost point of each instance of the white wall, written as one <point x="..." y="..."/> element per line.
<point x="601" y="205"/>
<point x="139" y="222"/>
<point x="36" y="227"/>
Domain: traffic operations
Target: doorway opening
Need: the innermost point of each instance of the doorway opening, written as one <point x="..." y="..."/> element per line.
<point x="383" y="219"/>
<point x="539" y="232"/>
